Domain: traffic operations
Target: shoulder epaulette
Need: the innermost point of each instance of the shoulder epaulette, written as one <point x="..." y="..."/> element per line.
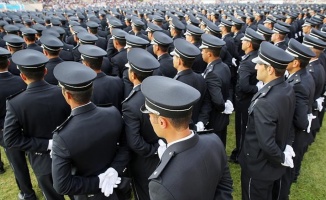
<point x="17" y="93"/>
<point x="63" y="124"/>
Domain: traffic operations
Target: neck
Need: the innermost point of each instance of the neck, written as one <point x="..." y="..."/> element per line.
<point x="160" y="53"/>
<point x="181" y="68"/>
<point x="247" y="51"/>
<point x="177" y="135"/>
<point x="50" y="57"/>
<point x="136" y="82"/>
<point x="212" y="59"/>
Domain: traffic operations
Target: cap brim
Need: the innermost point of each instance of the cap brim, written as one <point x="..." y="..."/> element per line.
<point x="128" y="46"/>
<point x="244" y="38"/>
<point x="153" y="42"/>
<point x="258" y="60"/>
<point x="303" y="25"/>
<point x="173" y="53"/>
<point x="127" y="65"/>
<point x="203" y="47"/>
<point x="144" y="110"/>
<point x="187" y="33"/>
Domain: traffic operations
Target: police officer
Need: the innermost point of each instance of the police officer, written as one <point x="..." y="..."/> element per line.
<point x="107" y="90"/>
<point x="151" y="28"/>
<point x="141" y="137"/>
<point x="266" y="32"/>
<point x="29" y="38"/>
<point x="9" y="85"/>
<point x="92" y="28"/>
<point x="160" y="44"/>
<point x="32" y="115"/>
<point x="113" y="24"/>
<point x="176" y="30"/>
<point x="278" y="37"/>
<point x="169" y="116"/>
<point x="245" y="87"/>
<point x="318" y="73"/>
<point x="137" y="26"/>
<point x="217" y="76"/>
<point x="193" y="35"/>
<point x="118" y="61"/>
<point x="79" y="156"/>
<point x="51" y="49"/>
<point x="132" y="41"/>
<point x="14" y="44"/>
<point x="82" y="38"/>
<point x="304" y="87"/>
<point x="265" y="153"/>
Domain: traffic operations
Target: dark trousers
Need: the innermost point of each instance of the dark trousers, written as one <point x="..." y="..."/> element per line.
<point x="222" y="135"/>
<point x="254" y="189"/>
<point x="241" y="119"/>
<point x="45" y="182"/>
<point x="140" y="188"/>
<point x="17" y="160"/>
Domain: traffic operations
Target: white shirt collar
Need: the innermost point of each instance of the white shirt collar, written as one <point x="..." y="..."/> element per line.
<point x="182" y="139"/>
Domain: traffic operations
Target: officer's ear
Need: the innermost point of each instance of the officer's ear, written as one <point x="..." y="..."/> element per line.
<point x="162" y="122"/>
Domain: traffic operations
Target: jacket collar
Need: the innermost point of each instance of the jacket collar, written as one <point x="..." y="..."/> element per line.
<point x="37" y="84"/>
<point x="82" y="109"/>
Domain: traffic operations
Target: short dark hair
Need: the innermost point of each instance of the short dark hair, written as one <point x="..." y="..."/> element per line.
<point x="255" y="45"/>
<point x="238" y="26"/>
<point x="215" y="51"/>
<point x="15" y="49"/>
<point x="141" y="75"/>
<point x="197" y="38"/>
<point x="81" y="97"/>
<point x="122" y="42"/>
<point x="181" y="123"/>
<point x="93" y="30"/>
<point x="33" y="75"/>
<point x="164" y="48"/>
<point x="95" y="64"/>
<point x="278" y="72"/>
<point x="187" y="62"/>
<point x="228" y="28"/>
<point x="303" y="62"/>
<point x="3" y="63"/>
<point x="52" y="53"/>
<point x="30" y="38"/>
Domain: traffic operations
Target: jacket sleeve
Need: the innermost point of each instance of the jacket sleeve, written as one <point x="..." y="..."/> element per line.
<point x="14" y="137"/>
<point x="132" y="127"/>
<point x="63" y="181"/>
<point x="244" y="80"/>
<point x="300" y="119"/>
<point x="265" y="128"/>
<point x="224" y="188"/>
<point x="214" y="85"/>
<point x="157" y="191"/>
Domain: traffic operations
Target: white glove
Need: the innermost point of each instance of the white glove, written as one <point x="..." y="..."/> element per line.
<point x="50" y="147"/>
<point x="108" y="181"/>
<point x="288" y="156"/>
<point x="228" y="107"/>
<point x="200" y="126"/>
<point x="50" y="144"/>
<point x="259" y="85"/>
<point x="310" y="118"/>
<point x="320" y="101"/>
<point x="234" y="61"/>
<point x="161" y="148"/>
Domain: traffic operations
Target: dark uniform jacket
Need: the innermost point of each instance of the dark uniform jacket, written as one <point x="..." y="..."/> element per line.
<point x="118" y="62"/>
<point x="34" y="46"/>
<point x="110" y="47"/>
<point x="198" y="82"/>
<point x="238" y="43"/>
<point x="30" y="119"/>
<point x="13" y="68"/>
<point x="9" y="85"/>
<point x="76" y="54"/>
<point x="83" y="148"/>
<point x="150" y="50"/>
<point x="269" y="123"/>
<point x="318" y="74"/>
<point x="186" y="170"/>
<point x="166" y="66"/>
<point x="230" y="45"/>
<point x="199" y="64"/>
<point x="140" y="135"/>
<point x="70" y="40"/>
<point x="49" y="77"/>
<point x="141" y="35"/>
<point x="66" y="52"/>
<point x="283" y="45"/>
<point x="101" y="42"/>
<point x="217" y="76"/>
<point x="303" y="86"/>
<point x="107" y="90"/>
<point x="106" y="66"/>
<point x="246" y="82"/>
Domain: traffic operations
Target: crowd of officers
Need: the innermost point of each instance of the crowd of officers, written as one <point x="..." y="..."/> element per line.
<point x="145" y="91"/>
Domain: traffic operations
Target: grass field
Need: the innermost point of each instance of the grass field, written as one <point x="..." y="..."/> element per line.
<point x="311" y="184"/>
